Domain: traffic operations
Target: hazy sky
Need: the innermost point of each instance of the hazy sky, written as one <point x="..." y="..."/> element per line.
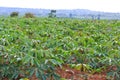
<point x="98" y="5"/>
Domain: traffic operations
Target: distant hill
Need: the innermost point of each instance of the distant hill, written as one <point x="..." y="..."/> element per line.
<point x="75" y="13"/>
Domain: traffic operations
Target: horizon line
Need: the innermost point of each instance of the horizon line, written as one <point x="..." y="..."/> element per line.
<point x="58" y="9"/>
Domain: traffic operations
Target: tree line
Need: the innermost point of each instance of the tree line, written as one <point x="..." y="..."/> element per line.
<point x="31" y="15"/>
<point x="52" y="14"/>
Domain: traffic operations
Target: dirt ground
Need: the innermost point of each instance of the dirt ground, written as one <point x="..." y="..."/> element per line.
<point x="72" y="74"/>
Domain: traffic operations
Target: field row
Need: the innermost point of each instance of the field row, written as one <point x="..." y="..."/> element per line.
<point x="38" y="45"/>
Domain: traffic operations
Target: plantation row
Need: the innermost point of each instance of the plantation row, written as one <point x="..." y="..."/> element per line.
<point x="38" y="45"/>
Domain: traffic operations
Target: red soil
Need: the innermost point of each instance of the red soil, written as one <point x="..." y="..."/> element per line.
<point x="73" y="74"/>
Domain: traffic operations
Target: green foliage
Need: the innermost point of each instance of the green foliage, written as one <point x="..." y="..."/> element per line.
<point x="29" y="15"/>
<point x="14" y="14"/>
<point x="38" y="45"/>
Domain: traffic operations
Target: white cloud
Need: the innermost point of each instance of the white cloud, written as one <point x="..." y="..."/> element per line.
<point x="99" y="5"/>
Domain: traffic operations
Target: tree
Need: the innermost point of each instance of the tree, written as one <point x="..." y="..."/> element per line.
<point x="14" y="14"/>
<point x="98" y="17"/>
<point x="70" y="15"/>
<point x="92" y="17"/>
<point x="29" y="15"/>
<point x="52" y="14"/>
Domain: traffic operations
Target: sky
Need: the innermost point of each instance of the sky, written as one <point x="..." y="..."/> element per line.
<point x="97" y="5"/>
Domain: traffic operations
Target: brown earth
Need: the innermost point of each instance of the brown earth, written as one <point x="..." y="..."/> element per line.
<point x="72" y="74"/>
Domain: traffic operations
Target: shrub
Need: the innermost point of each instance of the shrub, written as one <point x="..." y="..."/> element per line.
<point x="14" y="14"/>
<point x="29" y="15"/>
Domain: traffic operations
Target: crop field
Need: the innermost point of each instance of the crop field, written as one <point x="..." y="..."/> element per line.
<point x="42" y="47"/>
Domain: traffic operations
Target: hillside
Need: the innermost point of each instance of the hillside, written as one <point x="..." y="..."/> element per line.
<point x="75" y="13"/>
